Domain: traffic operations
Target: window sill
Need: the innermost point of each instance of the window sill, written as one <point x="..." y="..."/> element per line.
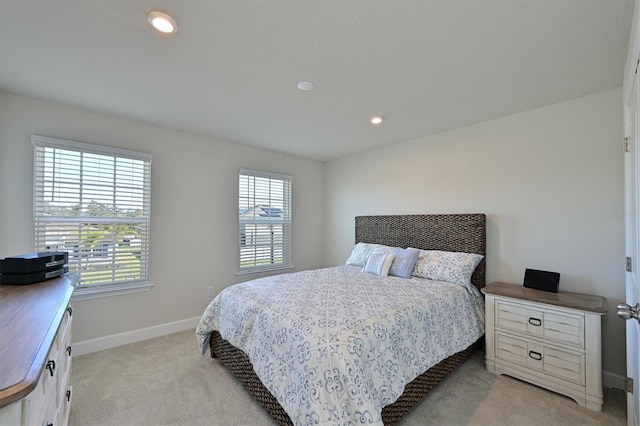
<point x="94" y="292"/>
<point x="265" y="271"/>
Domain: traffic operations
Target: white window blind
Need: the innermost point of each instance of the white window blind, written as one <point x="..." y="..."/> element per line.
<point x="264" y="220"/>
<point x="94" y="203"/>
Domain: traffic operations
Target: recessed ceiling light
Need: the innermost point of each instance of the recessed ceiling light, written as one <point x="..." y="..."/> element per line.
<point x="376" y="119"/>
<point x="305" y="86"/>
<point x="162" y="22"/>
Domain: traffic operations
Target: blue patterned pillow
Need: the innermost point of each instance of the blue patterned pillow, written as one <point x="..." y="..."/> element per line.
<point x="378" y="264"/>
<point x="403" y="262"/>
<point x="447" y="266"/>
<point x="361" y="252"/>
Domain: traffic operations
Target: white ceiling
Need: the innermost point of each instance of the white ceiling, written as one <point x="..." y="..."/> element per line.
<point x="231" y="71"/>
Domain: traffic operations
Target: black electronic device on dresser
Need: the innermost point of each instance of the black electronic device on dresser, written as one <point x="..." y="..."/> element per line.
<point x="33" y="267"/>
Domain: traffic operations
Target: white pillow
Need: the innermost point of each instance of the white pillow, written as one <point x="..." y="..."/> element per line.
<point x="454" y="267"/>
<point x="361" y="252"/>
<point x="378" y="264"/>
<point x="404" y="261"/>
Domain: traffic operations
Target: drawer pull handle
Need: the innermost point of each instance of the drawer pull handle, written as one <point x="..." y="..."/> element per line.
<point x="69" y="350"/>
<point x="69" y="395"/>
<point x="51" y="366"/>
<point x="535" y="321"/>
<point x="70" y="310"/>
<point x="535" y="355"/>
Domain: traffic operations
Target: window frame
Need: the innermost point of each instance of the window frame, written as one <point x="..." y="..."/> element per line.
<point x="41" y="143"/>
<point x="285" y="221"/>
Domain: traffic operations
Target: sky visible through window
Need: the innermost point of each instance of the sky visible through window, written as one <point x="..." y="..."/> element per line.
<point x="74" y="180"/>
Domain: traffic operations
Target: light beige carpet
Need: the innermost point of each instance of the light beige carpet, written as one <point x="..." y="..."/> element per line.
<point x="165" y="381"/>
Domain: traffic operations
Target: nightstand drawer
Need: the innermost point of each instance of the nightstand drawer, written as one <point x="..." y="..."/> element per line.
<point x="555" y="362"/>
<point x="546" y="323"/>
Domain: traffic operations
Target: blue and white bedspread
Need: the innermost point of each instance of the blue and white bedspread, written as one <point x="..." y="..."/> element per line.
<point x="336" y="345"/>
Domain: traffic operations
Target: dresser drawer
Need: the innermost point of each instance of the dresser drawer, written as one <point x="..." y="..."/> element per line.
<point x="554" y="361"/>
<point x="562" y="327"/>
<point x="65" y="328"/>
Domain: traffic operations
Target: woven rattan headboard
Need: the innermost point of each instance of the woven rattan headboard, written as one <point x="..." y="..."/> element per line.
<point x="448" y="232"/>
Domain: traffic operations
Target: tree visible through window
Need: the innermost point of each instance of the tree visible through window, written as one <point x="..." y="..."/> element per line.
<point x="94" y="203"/>
<point x="264" y="201"/>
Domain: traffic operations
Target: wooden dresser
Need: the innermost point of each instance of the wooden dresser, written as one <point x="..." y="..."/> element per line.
<point x="552" y="340"/>
<point x="35" y="352"/>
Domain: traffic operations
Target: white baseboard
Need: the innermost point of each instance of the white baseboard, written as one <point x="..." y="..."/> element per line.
<point x="614" y="381"/>
<point x="114" y="340"/>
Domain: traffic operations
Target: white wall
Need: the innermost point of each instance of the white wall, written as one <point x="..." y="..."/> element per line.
<point x="550" y="181"/>
<point x="194" y="208"/>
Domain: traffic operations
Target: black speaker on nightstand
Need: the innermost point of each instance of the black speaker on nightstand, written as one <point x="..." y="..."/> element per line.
<point x="541" y="280"/>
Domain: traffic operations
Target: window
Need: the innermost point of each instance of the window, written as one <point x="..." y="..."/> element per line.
<point x="94" y="203"/>
<point x="264" y="201"/>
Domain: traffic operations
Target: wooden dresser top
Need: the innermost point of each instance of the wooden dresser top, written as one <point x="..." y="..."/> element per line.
<point x="567" y="299"/>
<point x="29" y="319"/>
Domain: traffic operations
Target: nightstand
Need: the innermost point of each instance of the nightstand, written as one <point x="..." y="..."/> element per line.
<point x="552" y="340"/>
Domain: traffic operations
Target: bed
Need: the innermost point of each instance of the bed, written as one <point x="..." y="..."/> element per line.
<point x="307" y="392"/>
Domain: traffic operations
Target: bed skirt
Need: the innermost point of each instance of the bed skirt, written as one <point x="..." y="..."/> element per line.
<point x="240" y="366"/>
